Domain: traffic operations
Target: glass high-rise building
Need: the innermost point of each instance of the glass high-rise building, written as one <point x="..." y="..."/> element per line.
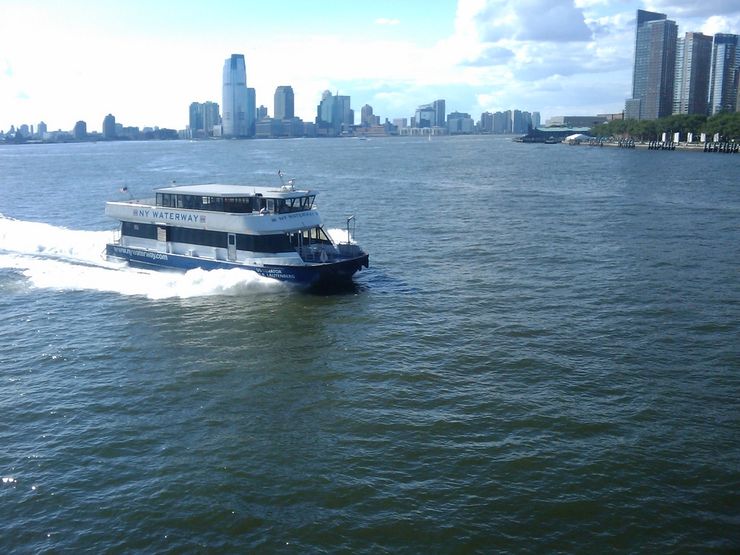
<point x="284" y="102"/>
<point x="693" y="60"/>
<point x="235" y="105"/>
<point x="439" y="113"/>
<point x="655" y="65"/>
<point x="109" y="127"/>
<point x="202" y="118"/>
<point x="723" y="86"/>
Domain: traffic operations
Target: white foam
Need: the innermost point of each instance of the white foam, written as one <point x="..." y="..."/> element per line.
<point x="63" y="259"/>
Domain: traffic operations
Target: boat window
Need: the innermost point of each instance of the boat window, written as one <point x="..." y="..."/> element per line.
<point x="197" y="236"/>
<point x="264" y="243"/>
<point x="145" y="231"/>
<point x="237" y="204"/>
<point x="270" y="204"/>
<point x="315" y="235"/>
<point x="180" y="201"/>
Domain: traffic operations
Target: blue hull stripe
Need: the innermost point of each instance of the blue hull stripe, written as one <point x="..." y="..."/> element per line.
<point x="312" y="274"/>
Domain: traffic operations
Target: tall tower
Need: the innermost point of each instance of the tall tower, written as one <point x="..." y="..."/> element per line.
<point x="235" y="103"/>
<point x="109" y="127"/>
<point x="655" y="66"/>
<point x="723" y="87"/>
<point x="366" y="116"/>
<point x="439" y="113"/>
<point x="693" y="60"/>
<point x="284" y="102"/>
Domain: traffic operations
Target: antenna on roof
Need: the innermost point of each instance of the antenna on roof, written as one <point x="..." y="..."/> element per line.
<point x="280" y="175"/>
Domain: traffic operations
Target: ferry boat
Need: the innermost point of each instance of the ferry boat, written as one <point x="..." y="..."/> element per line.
<point x="275" y="232"/>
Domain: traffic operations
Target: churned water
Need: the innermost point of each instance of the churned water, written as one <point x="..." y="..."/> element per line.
<point x="544" y="356"/>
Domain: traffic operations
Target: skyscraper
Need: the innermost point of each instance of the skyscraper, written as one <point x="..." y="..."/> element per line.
<point x="535" y="120"/>
<point x="486" y="122"/>
<point x="367" y="118"/>
<point x="109" y="127"/>
<point x="723" y="87"/>
<point x="251" y="110"/>
<point x="425" y="116"/>
<point x="655" y="66"/>
<point x="235" y="102"/>
<point x="202" y="118"/>
<point x="439" y="113"/>
<point x="693" y="60"/>
<point x="284" y="102"/>
<point x="328" y="114"/>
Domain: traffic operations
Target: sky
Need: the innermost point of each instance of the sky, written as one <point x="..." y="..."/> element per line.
<point x="145" y="61"/>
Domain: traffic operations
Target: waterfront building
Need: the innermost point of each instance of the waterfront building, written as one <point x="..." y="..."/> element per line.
<point x="520" y="121"/>
<point x="439" y="113"/>
<point x="211" y="117"/>
<point x="367" y="118"/>
<point x="41" y="130"/>
<point x="536" y="119"/>
<point x="610" y="117"/>
<point x="723" y="85"/>
<point x="251" y="109"/>
<point x="195" y="119"/>
<point x="327" y="115"/>
<point x="691" y="83"/>
<point x="401" y="123"/>
<point x="346" y="111"/>
<point x="655" y="64"/>
<point x="235" y="102"/>
<point x="425" y="116"/>
<point x="284" y="102"/>
<point x="430" y="115"/>
<point x="109" y="127"/>
<point x="585" y="122"/>
<point x="261" y="112"/>
<point x="460" y="123"/>
<point x="502" y="122"/>
<point x="486" y="122"/>
<point x="273" y="128"/>
<point x="203" y="119"/>
<point x="334" y="114"/>
<point x="79" y="132"/>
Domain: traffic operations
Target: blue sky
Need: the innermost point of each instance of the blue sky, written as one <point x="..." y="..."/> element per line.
<point x="146" y="61"/>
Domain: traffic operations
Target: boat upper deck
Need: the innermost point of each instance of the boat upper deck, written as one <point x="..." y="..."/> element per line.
<point x="236" y="198"/>
<point x="236" y="208"/>
<point x="222" y="190"/>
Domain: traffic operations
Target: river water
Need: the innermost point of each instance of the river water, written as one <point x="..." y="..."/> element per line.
<point x="543" y="356"/>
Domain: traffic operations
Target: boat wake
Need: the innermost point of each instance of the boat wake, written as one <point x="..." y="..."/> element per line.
<point x="52" y="257"/>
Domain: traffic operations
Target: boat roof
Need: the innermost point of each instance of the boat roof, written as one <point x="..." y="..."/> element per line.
<point x="222" y="190"/>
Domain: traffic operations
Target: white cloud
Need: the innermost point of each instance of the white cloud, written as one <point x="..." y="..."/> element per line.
<point x="531" y="20"/>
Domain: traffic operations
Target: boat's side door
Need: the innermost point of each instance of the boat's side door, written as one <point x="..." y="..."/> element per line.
<point x="231" y="246"/>
<point x="162" y="238"/>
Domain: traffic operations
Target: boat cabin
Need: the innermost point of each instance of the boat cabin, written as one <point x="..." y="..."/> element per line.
<point x="235" y="199"/>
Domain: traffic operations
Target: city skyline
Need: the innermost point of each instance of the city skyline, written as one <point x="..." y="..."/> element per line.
<point x="61" y="63"/>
